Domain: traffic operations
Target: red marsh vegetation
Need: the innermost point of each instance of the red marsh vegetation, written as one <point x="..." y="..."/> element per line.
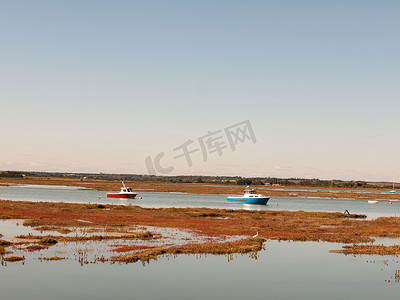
<point x="281" y="225"/>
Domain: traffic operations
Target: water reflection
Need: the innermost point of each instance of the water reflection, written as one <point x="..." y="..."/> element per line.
<point x="284" y="270"/>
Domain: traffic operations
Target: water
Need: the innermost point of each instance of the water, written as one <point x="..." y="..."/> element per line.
<point x="182" y="200"/>
<point x="284" y="270"/>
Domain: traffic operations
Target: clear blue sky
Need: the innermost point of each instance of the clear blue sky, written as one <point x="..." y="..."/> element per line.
<point x="98" y="86"/>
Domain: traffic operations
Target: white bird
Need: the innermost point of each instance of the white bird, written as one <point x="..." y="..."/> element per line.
<point x="256" y="235"/>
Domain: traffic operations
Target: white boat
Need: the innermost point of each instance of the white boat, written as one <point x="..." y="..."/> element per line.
<point x="372" y="201"/>
<point x="249" y="197"/>
<point x="126" y="192"/>
<point x="392" y="191"/>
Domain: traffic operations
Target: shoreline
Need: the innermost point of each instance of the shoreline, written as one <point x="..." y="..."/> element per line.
<point x="207" y="188"/>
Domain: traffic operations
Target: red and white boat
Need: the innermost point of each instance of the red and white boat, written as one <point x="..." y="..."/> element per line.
<point x="126" y="192"/>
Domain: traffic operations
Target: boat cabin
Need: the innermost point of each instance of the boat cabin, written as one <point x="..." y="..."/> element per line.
<point x="126" y="190"/>
<point x="250" y="192"/>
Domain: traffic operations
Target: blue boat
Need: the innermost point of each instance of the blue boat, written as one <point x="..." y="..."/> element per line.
<point x="250" y="197"/>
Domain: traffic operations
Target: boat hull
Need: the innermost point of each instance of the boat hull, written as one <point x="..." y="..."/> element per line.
<point x="121" y="195"/>
<point x="245" y="200"/>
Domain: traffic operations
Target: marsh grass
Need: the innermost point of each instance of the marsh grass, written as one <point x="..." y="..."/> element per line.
<point x="33" y="248"/>
<point x="96" y="206"/>
<point x="249" y="245"/>
<point x="47" y="240"/>
<point x="50" y="240"/>
<point x="369" y="249"/>
<point x="284" y="225"/>
<point x="120" y="248"/>
<point x="6" y="217"/>
<point x="212" y="215"/>
<point x="4" y="243"/>
<point x="13" y="258"/>
<point x="53" y="258"/>
<point x="52" y="228"/>
<point x="32" y="223"/>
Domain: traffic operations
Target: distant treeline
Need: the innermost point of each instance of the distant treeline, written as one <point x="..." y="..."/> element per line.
<point x="304" y="182"/>
<point x="12" y="174"/>
<point x="226" y="180"/>
<point x="324" y="183"/>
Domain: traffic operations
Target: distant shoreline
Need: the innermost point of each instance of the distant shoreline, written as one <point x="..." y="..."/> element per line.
<point x="208" y="188"/>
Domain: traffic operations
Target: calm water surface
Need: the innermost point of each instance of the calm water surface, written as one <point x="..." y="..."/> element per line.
<point x="285" y="270"/>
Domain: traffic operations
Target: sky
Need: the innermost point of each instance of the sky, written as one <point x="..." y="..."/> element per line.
<point x="305" y="89"/>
